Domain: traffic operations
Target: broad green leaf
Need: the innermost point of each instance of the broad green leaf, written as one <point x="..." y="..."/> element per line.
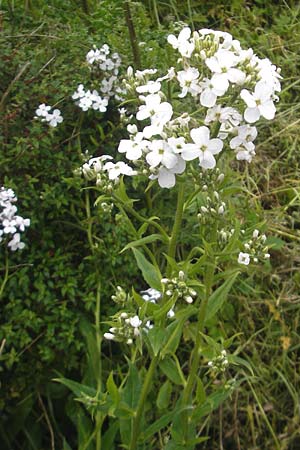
<point x="151" y="275"/>
<point x="164" y="395"/>
<point x="170" y="369"/>
<point x="156" y="337"/>
<point x="217" y="299"/>
<point x="143" y="241"/>
<point x="114" y="393"/>
<point x="131" y="391"/>
<point x="108" y="438"/>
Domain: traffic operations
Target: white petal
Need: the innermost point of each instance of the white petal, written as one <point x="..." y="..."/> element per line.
<point x="251" y="115"/>
<point x="248" y="98"/>
<point x="215" y="146"/>
<point x="208" y="98"/>
<point x="213" y="64"/>
<point x="153" y="158"/>
<point x="190" y="152"/>
<point x="268" y="110"/>
<point x="200" y="135"/>
<point x="220" y="83"/>
<point x="184" y="34"/>
<point x="207" y="161"/>
<point x="169" y="160"/>
<point x="236" y="76"/>
<point x="166" y="179"/>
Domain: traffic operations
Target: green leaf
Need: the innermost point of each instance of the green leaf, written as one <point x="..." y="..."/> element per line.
<point x="108" y="438"/>
<point x="156" y="337"/>
<point x="162" y="422"/>
<point x="131" y="391"/>
<point x="212" y="402"/>
<point x="174" y="331"/>
<point x="217" y="299"/>
<point x="151" y="275"/>
<point x="164" y="395"/>
<point x="114" y="393"/>
<point x="200" y="391"/>
<point x="143" y="241"/>
<point x="77" y="388"/>
<point x="171" y="370"/>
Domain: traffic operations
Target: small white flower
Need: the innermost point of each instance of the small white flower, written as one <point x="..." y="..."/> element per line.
<point x="207" y="147"/>
<point x="135" y="321"/>
<point x="259" y="102"/>
<point x="244" y="258"/>
<point x="182" y="43"/>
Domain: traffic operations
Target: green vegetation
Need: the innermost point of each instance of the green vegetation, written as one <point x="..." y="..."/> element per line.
<point x="73" y="247"/>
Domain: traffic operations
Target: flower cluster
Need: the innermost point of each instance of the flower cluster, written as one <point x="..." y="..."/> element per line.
<point x="89" y="99"/>
<point x="153" y="296"/>
<point x="219" y="363"/>
<point x="226" y="89"/>
<point x="44" y="113"/>
<point x="104" y="171"/>
<point x="255" y="249"/>
<point x="214" y="207"/>
<point x="107" y="64"/>
<point x="126" y="328"/>
<point x="178" y="286"/>
<point x="11" y="225"/>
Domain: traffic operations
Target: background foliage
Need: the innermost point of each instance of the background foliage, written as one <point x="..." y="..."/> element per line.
<point x="54" y="280"/>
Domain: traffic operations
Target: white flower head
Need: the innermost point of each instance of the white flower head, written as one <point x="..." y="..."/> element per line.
<point x="206" y="146"/>
<point x="244" y="258"/>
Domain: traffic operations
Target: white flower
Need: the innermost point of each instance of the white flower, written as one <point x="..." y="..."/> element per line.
<point x="259" y="103"/>
<point x="207" y="147"/>
<point x="150" y="87"/>
<point x="54" y="118"/>
<point x="43" y="110"/>
<point x="99" y="103"/>
<point x="109" y="336"/>
<point x="246" y="134"/>
<point x="182" y="43"/>
<point x="244" y="258"/>
<point x="134" y="146"/>
<point x="188" y="80"/>
<point x="211" y="89"/>
<point x="166" y="177"/>
<point x="116" y="169"/>
<point x="135" y="321"/>
<point x="222" y="64"/>
<point x="15" y="243"/>
<point x="161" y="153"/>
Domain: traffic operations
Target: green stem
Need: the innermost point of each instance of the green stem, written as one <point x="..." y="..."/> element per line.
<point x="5" y="279"/>
<point x="176" y="227"/>
<point x="98" y="375"/>
<point x="140" y="407"/>
<point x="99" y="418"/>
<point x="195" y="357"/>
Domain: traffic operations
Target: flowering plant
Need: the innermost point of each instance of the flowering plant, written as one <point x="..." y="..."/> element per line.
<point x="185" y="128"/>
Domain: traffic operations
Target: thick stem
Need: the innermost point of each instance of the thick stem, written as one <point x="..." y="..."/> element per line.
<point x="132" y="36"/>
<point x="176" y="227"/>
<point x="141" y="403"/>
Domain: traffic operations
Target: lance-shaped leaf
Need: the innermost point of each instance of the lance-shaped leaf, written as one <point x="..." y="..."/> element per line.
<point x="151" y="274"/>
<point x="217" y="299"/>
